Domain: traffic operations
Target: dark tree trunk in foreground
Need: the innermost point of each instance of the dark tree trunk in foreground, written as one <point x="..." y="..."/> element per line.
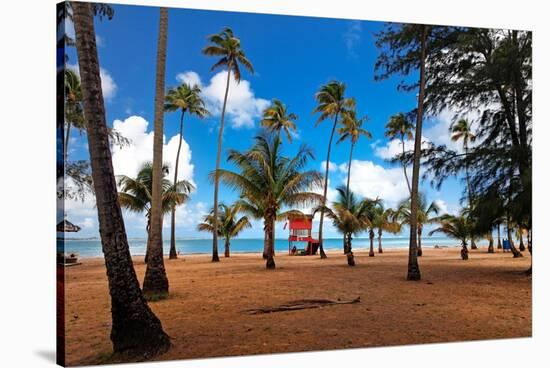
<point x="270" y="223"/>
<point x="499" y="243"/>
<point x="371" y="238"/>
<point x="521" y="244"/>
<point x="215" y="256"/>
<point x="513" y="248"/>
<point x="155" y="284"/>
<point x="419" y="250"/>
<point x="173" y="251"/>
<point x="380" y="241"/>
<point x="413" y="270"/>
<point x="226" y="253"/>
<point x="135" y="329"/>
<point x="464" y="251"/>
<point x="491" y="248"/>
<point x="348" y="251"/>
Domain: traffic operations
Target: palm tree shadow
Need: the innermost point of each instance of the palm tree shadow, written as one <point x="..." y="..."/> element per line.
<point x="48" y="355"/>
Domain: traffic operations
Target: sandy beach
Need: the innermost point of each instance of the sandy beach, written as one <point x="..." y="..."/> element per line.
<point x="486" y="297"/>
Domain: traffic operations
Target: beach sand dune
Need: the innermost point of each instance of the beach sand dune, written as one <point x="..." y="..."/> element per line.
<point x="486" y="297"/>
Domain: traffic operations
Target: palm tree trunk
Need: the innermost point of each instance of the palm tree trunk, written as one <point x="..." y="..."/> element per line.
<point x="404" y="165"/>
<point x="270" y="222"/>
<point x="491" y="248"/>
<point x="66" y="146"/>
<point x="380" y="241"/>
<point x="349" y="253"/>
<point x="499" y="243"/>
<point x="215" y="257"/>
<point x="464" y="251"/>
<point x="515" y="252"/>
<point x="371" y="238"/>
<point x="321" y="249"/>
<point x="419" y="240"/>
<point x="521" y="244"/>
<point x="472" y="241"/>
<point x="413" y="270"/>
<point x="135" y="330"/>
<point x="227" y="243"/>
<point x="155" y="284"/>
<point x="349" y="166"/>
<point x="173" y="252"/>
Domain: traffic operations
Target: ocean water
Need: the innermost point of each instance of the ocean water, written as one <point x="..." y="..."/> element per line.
<point x="92" y="247"/>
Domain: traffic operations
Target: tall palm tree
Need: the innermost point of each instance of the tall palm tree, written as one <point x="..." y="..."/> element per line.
<point x="352" y="129"/>
<point x="73" y="107"/>
<point x="457" y="227"/>
<point x="135" y="330"/>
<point x="228" y="47"/>
<point x="331" y="103"/>
<point x="136" y="193"/>
<point x="385" y="219"/>
<point x="185" y="98"/>
<point x="350" y="216"/>
<point x="375" y="211"/>
<point x="461" y="131"/>
<point x="155" y="284"/>
<point x="266" y="176"/>
<point x="277" y="118"/>
<point x="230" y="225"/>
<point x="399" y="127"/>
<point x="423" y="216"/>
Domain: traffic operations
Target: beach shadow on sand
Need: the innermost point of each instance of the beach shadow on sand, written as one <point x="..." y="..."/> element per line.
<point x="48" y="355"/>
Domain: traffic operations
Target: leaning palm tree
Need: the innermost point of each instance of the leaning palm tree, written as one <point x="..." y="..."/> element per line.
<point x="352" y="129"/>
<point x="385" y="219"/>
<point x="186" y="99"/>
<point x="228" y="47"/>
<point x="135" y="330"/>
<point x="331" y="103"/>
<point x="155" y="283"/>
<point x="349" y="216"/>
<point x="267" y="177"/>
<point x="457" y="227"/>
<point x="229" y="224"/>
<point x="276" y="118"/>
<point x="461" y="131"/>
<point x="400" y="127"/>
<point x="136" y="193"/>
<point x="424" y="216"/>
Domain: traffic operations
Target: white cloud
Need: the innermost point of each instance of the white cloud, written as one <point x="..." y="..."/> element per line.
<point x="100" y="42"/>
<point x="108" y="85"/>
<point x="242" y="105"/>
<point x="393" y="147"/>
<point x="352" y="36"/>
<point x="332" y="167"/>
<point x="88" y="223"/>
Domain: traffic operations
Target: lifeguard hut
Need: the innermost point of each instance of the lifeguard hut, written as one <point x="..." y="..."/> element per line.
<point x="299" y="233"/>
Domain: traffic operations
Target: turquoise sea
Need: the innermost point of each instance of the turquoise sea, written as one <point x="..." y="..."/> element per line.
<point x="92" y="247"/>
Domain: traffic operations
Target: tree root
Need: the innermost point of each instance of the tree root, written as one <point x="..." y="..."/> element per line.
<point x="301" y="304"/>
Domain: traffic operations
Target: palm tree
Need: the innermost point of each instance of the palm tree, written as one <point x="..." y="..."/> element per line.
<point x="350" y="216"/>
<point x="254" y="207"/>
<point x="376" y="210"/>
<point x="135" y="330"/>
<point x="229" y="225"/>
<point x="399" y="127"/>
<point x="457" y="227"/>
<point x="461" y="130"/>
<point x="276" y="118"/>
<point x="73" y="107"/>
<point x="267" y="177"/>
<point x="384" y="219"/>
<point x="352" y="129"/>
<point x="155" y="284"/>
<point x="331" y="103"/>
<point x="185" y="98"/>
<point x="228" y="47"/>
<point x="136" y="193"/>
<point x="491" y="247"/>
<point x="423" y="213"/>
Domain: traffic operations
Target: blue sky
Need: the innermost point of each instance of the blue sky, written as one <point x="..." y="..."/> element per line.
<point x="292" y="57"/>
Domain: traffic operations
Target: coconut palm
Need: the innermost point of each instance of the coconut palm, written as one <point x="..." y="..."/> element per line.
<point x="228" y="47"/>
<point x="331" y="103"/>
<point x="186" y="99"/>
<point x="136" y="193"/>
<point x="349" y="216"/>
<point x="135" y="330"/>
<point x="457" y="227"/>
<point x="385" y="219"/>
<point x="155" y="284"/>
<point x="424" y="216"/>
<point x="400" y="127"/>
<point x="352" y="129"/>
<point x="461" y="131"/>
<point x="272" y="181"/>
<point x="276" y="118"/>
<point x="229" y="224"/>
